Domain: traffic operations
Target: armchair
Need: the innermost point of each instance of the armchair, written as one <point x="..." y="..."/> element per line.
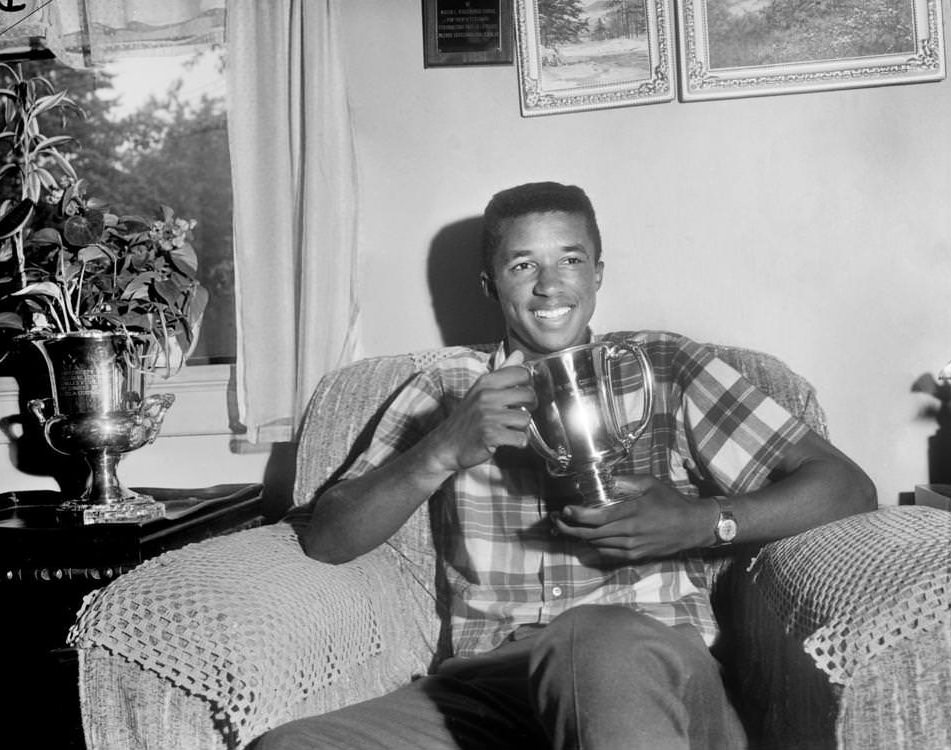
<point x="838" y="637"/>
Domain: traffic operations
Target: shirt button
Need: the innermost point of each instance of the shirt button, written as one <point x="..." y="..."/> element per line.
<point x="556" y="591"/>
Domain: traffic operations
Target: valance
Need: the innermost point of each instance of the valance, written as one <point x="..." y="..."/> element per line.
<point x="88" y="33"/>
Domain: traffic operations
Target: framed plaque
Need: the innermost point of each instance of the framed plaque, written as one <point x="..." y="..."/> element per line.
<point x="467" y="32"/>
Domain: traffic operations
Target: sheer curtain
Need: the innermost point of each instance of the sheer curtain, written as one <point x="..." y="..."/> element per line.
<point x="295" y="207"/>
<point x="84" y="33"/>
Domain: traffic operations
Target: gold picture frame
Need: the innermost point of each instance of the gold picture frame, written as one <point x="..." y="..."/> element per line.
<point x="577" y="55"/>
<point x="740" y="48"/>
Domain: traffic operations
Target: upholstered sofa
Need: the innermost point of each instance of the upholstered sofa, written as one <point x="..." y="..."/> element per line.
<point x="839" y="637"/>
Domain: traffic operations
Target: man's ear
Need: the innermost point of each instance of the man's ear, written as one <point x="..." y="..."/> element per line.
<point x="488" y="286"/>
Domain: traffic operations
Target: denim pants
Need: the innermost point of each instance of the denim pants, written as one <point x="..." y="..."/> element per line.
<point x="598" y="677"/>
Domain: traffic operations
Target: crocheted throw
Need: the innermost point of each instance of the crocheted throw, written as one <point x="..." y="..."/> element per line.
<point x="854" y="588"/>
<point x="210" y="619"/>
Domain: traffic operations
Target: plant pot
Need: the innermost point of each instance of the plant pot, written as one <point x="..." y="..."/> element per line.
<point x="98" y="409"/>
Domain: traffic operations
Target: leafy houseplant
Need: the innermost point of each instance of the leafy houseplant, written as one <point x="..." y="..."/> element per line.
<point x="75" y="265"/>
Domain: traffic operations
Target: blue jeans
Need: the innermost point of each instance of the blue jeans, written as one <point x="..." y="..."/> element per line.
<point x="598" y="677"/>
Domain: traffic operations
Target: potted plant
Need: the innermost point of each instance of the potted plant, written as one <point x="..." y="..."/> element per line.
<point x="75" y="265"/>
<point x="105" y="298"/>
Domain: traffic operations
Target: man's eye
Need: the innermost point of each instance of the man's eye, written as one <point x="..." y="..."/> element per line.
<point x="521" y="266"/>
<point x="573" y="260"/>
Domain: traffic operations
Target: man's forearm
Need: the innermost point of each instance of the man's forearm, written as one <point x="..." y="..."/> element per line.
<point x="359" y="514"/>
<point x="821" y="490"/>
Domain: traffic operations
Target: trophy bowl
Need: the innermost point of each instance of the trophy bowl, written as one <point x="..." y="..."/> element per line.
<point x="579" y="425"/>
<point x="98" y="410"/>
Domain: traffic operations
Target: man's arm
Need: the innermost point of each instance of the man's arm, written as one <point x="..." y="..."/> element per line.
<point x="355" y="516"/>
<point x="814" y="483"/>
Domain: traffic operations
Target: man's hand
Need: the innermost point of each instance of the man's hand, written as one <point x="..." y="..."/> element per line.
<point x="653" y="521"/>
<point x="494" y="412"/>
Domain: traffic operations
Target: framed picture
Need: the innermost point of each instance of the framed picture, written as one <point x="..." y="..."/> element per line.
<point x="576" y="55"/>
<point x="734" y="48"/>
<point x="467" y="32"/>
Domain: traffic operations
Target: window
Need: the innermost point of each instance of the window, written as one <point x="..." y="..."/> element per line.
<point x="155" y="133"/>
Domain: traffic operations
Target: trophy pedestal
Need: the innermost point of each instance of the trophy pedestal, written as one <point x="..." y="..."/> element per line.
<point x="598" y="487"/>
<point x="107" y="499"/>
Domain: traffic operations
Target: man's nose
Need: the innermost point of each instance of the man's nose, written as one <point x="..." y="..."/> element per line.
<point x="547" y="281"/>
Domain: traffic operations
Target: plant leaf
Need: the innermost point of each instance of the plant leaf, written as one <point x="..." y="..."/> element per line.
<point x="43" y="288"/>
<point x="55" y="140"/>
<point x="168" y="290"/>
<point x="46" y="236"/>
<point x="94" y="252"/>
<point x="47" y="179"/>
<point x="186" y="259"/>
<point x="51" y="101"/>
<point x="16" y="217"/>
<point x="63" y="163"/>
<point x="11" y="320"/>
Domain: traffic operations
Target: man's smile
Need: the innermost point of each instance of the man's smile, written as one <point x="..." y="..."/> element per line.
<point x="552" y="313"/>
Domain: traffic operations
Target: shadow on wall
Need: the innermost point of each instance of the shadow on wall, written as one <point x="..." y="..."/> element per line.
<point x="464" y="314"/>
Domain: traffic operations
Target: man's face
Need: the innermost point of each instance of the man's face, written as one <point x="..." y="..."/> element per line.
<point x="546" y="280"/>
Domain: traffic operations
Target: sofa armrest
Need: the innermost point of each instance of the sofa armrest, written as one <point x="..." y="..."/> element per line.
<point x="254" y="629"/>
<point x="813" y="610"/>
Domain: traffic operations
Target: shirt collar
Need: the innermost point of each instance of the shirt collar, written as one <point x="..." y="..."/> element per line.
<point x="498" y="357"/>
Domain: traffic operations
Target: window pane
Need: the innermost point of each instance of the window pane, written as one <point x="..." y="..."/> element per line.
<point x="155" y="133"/>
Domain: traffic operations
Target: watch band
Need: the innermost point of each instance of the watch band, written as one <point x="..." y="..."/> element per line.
<point x="725" y="529"/>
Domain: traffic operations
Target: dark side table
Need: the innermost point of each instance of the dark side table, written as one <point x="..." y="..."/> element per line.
<point x="46" y="569"/>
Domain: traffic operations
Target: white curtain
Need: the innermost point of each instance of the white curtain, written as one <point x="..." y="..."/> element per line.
<point x="295" y="207"/>
<point x="86" y="33"/>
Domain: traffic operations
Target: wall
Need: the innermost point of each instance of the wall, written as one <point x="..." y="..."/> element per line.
<point x="814" y="226"/>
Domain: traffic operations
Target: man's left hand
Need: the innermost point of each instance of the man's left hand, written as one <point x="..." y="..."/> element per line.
<point x="653" y="520"/>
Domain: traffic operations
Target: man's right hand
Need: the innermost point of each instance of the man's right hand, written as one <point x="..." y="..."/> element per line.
<point x="495" y="412"/>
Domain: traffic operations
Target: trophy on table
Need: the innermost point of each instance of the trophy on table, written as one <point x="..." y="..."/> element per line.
<point x="579" y="426"/>
<point x="98" y="409"/>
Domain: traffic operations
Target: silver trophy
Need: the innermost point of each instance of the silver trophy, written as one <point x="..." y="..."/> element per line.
<point x="579" y="426"/>
<point x="98" y="409"/>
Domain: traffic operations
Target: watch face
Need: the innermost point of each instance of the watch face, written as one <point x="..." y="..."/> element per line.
<point x="726" y="529"/>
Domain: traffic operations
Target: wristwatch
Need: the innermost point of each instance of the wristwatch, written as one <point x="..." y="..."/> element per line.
<point x="725" y="530"/>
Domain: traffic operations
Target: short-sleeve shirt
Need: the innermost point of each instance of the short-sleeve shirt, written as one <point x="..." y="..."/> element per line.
<point x="711" y="432"/>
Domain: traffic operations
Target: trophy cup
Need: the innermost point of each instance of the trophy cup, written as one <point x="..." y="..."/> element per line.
<point x="577" y="426"/>
<point x="98" y="409"/>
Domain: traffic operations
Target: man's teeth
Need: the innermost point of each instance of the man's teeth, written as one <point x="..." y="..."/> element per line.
<point x="556" y="312"/>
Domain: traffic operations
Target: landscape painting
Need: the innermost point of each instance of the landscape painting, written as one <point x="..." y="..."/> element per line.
<point x="734" y="48"/>
<point x="576" y="55"/>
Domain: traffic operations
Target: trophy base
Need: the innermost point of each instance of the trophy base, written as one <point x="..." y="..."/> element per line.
<point x="135" y="508"/>
<point x="604" y="502"/>
<point x="598" y="488"/>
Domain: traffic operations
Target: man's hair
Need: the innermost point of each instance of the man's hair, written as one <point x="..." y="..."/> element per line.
<point x="533" y="198"/>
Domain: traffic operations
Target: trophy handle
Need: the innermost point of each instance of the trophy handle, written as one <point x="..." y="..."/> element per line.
<point x="152" y="412"/>
<point x="557" y="461"/>
<point x="613" y="353"/>
<point x="38" y="407"/>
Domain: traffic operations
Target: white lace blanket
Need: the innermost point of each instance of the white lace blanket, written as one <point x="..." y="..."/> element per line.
<point x="855" y="588"/>
<point x="251" y="624"/>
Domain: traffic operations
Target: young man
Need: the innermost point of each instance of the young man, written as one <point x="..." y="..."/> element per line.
<point x="572" y="626"/>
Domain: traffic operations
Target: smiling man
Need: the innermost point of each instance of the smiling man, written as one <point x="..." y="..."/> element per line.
<point x="572" y="626"/>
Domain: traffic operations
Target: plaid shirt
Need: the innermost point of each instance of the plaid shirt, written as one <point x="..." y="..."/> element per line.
<point x="712" y="432"/>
